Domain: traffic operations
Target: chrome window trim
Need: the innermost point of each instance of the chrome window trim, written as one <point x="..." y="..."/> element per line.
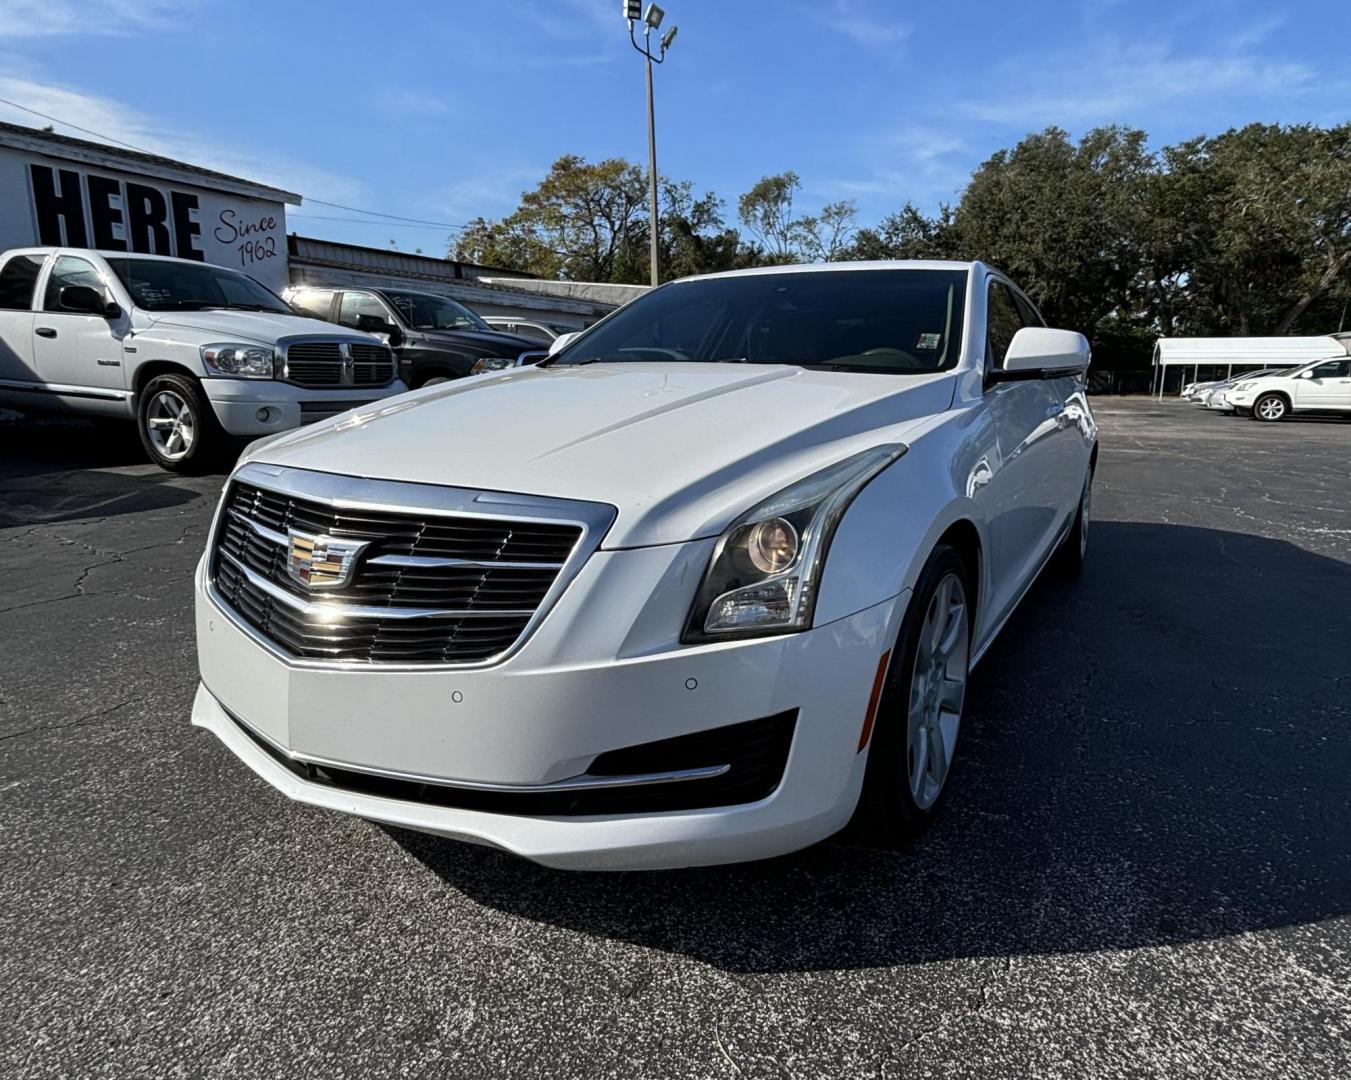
<point x="402" y="497"/>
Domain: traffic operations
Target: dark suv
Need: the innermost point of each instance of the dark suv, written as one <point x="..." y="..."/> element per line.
<point x="433" y="337"/>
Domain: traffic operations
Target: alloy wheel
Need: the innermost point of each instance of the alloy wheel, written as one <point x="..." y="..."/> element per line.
<point x="937" y="691"/>
<point x="169" y="423"/>
<point x="1272" y="408"/>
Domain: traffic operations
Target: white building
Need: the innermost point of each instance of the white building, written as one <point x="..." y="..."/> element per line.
<point x="59" y="190"/>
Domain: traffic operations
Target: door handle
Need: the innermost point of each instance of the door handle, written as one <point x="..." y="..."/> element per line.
<point x="45" y="331"/>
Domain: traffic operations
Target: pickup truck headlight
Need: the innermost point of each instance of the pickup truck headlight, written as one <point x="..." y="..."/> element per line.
<point x="491" y="363"/>
<point x="239" y="361"/>
<point x="763" y="576"/>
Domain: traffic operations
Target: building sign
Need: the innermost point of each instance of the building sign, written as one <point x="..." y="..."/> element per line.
<point x="72" y="204"/>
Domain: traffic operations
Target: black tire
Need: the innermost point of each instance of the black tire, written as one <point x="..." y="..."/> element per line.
<point x="431" y="377"/>
<point x="888" y="812"/>
<point x="198" y="428"/>
<point x="1268" y="403"/>
<point x="1073" y="551"/>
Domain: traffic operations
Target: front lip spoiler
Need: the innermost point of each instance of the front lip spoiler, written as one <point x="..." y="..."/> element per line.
<point x="581" y="782"/>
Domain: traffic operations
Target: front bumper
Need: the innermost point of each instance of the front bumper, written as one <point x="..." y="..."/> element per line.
<point x="239" y="403"/>
<point x="591" y="679"/>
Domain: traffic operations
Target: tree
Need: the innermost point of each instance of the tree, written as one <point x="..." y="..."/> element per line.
<point x="1063" y="220"/>
<point x="589" y="222"/>
<point x="767" y="211"/>
<point x="1263" y="216"/>
<point x="909" y="234"/>
<point x="574" y="225"/>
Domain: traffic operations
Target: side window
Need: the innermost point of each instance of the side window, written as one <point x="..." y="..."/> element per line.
<point x="1027" y="312"/>
<point x="359" y="303"/>
<point x="1003" y="321"/>
<point x="18" y="281"/>
<point x="69" y="270"/>
<point x="317" y="302"/>
<point x="1337" y="369"/>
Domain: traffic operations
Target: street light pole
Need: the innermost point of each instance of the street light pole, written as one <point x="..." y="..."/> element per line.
<point x="651" y="21"/>
<point x="652" y="174"/>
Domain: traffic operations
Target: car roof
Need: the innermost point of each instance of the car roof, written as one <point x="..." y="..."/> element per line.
<point x="50" y="250"/>
<point x="860" y="265"/>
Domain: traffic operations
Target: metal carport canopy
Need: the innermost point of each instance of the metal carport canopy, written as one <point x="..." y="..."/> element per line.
<point x="1229" y="351"/>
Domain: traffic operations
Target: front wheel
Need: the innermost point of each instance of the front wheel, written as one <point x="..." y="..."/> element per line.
<point x="177" y="427"/>
<point x="1270" y="407"/>
<point x="920" y="715"/>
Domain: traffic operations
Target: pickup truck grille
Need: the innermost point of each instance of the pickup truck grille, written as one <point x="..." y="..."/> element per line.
<point x="330" y="364"/>
<point x="424" y="588"/>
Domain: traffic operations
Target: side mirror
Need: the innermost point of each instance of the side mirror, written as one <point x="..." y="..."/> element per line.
<point x="531" y="357"/>
<point x="86" y="301"/>
<point x="561" y="342"/>
<point x="1040" y="353"/>
<point x="1306" y="374"/>
<point x="374" y="324"/>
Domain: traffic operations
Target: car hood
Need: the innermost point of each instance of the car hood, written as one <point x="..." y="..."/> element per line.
<point x="678" y="449"/>
<point x="481" y="342"/>
<point x="251" y="326"/>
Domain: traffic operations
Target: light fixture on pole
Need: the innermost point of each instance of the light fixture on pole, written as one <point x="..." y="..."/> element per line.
<point x="651" y="21"/>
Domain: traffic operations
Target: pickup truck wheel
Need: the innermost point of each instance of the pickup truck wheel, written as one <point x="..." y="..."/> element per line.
<point x="1270" y="407"/>
<point x="177" y="427"/>
<point x="923" y="701"/>
<point x="432" y="380"/>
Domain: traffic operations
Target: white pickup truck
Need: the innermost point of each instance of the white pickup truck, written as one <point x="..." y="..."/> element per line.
<point x="194" y="353"/>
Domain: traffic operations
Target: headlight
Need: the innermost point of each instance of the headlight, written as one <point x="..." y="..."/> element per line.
<point x="239" y="361"/>
<point x="491" y="363"/>
<point x="765" y="569"/>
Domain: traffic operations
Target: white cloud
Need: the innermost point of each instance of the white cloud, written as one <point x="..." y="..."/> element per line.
<point x="1118" y="81"/>
<point x="403" y="101"/>
<point x="46" y="18"/>
<point x="491" y="192"/>
<point x="925" y="165"/>
<point x="863" y="22"/>
<point x="107" y="120"/>
<point x="570" y="20"/>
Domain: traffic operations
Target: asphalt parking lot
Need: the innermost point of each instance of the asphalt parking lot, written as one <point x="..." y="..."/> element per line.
<point x="1144" y="867"/>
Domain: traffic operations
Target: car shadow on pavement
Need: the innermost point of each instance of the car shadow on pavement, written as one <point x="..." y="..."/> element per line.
<point x="1156" y="753"/>
<point x="39" y="455"/>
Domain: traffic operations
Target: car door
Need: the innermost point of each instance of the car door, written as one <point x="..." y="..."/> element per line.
<point x="73" y="348"/>
<point x="18" y="283"/>
<point x="1023" y="497"/>
<point x="1327" y="386"/>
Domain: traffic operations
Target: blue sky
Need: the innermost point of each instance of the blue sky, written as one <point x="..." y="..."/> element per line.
<point x="447" y="110"/>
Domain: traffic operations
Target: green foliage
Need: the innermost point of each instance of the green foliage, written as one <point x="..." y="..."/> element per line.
<point x="767" y="211"/>
<point x="1246" y="232"/>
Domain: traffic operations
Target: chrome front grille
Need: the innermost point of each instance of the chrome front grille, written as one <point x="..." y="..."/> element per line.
<point x="425" y="586"/>
<point x="330" y="364"/>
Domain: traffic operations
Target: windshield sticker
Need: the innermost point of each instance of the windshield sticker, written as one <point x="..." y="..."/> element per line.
<point x="928" y="341"/>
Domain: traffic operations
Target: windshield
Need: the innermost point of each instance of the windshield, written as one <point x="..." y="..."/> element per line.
<point x="886" y="321"/>
<point x="157" y="285"/>
<point x="424" y="312"/>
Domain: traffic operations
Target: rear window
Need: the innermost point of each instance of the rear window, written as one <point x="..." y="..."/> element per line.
<point x="18" y="281"/>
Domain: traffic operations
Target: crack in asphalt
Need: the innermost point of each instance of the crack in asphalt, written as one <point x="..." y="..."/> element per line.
<point x="114" y="557"/>
<point x="83" y="721"/>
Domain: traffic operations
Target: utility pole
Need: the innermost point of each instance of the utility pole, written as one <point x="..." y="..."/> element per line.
<point x="651" y="21"/>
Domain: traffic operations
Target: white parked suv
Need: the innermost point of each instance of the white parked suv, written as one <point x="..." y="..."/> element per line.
<point x="1323" y="386"/>
<point x="192" y="352"/>
<point x="696" y="589"/>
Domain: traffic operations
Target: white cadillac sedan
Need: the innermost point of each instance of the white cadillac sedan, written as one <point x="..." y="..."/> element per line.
<point x="700" y="588"/>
